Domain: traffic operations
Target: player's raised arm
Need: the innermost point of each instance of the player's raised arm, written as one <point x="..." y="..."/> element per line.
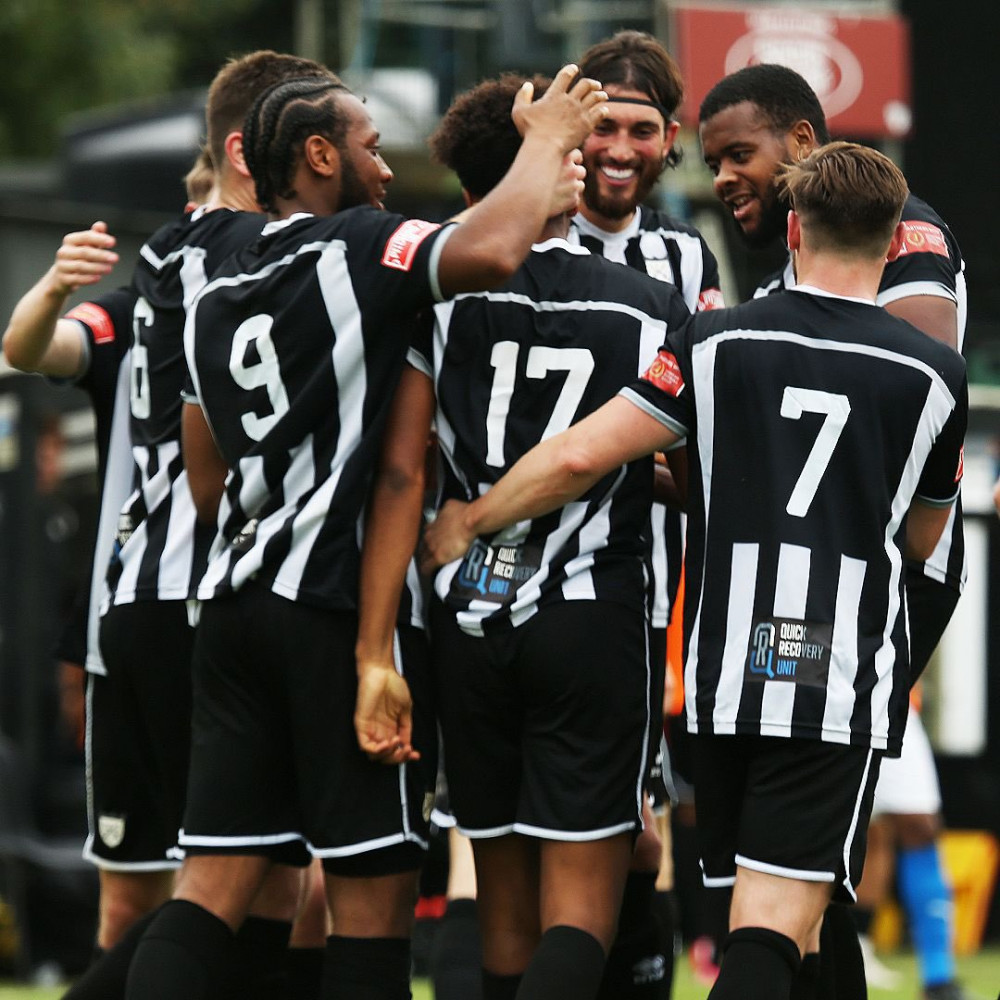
<point x="36" y="339"/>
<point x="488" y="247"/>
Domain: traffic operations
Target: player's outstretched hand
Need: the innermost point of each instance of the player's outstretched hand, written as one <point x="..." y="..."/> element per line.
<point x="566" y="113"/>
<point x="84" y="258"/>
<point x="383" y="716"/>
<point x="446" y="537"/>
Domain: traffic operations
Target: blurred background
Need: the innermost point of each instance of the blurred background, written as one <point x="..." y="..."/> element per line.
<point x="101" y="116"/>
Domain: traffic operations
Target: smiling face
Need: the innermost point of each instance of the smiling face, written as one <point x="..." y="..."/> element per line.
<point x="624" y="157"/>
<point x="363" y="173"/>
<point x="743" y="152"/>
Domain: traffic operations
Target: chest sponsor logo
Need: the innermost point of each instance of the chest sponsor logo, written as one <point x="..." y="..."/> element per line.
<point x="111" y="830"/>
<point x="922" y="237"/>
<point x="665" y="374"/>
<point x="790" y="650"/>
<point x="402" y="245"/>
<point x="97" y="319"/>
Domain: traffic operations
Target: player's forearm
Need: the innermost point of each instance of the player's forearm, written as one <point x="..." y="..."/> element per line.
<point x="30" y="342"/>
<point x="391" y="531"/>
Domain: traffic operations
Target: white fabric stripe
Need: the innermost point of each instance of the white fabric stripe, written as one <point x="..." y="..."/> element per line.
<point x="844" y="652"/>
<point x="115" y="491"/>
<point x="739" y="621"/>
<point x="651" y="338"/>
<point x="854" y="827"/>
<point x="369" y="845"/>
<point x="911" y="288"/>
<point x="654" y="411"/>
<point x="177" y="556"/>
<point x="404" y="796"/>
<point x="659" y="613"/>
<point x="434" y="261"/>
<point x="710" y="345"/>
<point x="204" y="840"/>
<point x="253" y="493"/>
<point x="299" y="479"/>
<point x="791" y="588"/>
<point x="486" y="832"/>
<point x="572" y="837"/>
<point x="619" y="308"/>
<point x="416" y="360"/>
<point x="692" y="265"/>
<point x="798" y="873"/>
<point x="937" y="566"/>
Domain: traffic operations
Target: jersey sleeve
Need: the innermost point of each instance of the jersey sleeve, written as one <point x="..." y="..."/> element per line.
<point x="663" y="390"/>
<point x="409" y="256"/>
<point x="421" y="351"/>
<point x="105" y="325"/>
<point x="926" y="265"/>
<point x="942" y="474"/>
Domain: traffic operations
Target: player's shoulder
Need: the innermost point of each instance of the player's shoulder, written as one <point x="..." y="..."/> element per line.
<point x="924" y="231"/>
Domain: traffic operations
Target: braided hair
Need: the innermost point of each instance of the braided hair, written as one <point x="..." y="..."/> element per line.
<point x="281" y="118"/>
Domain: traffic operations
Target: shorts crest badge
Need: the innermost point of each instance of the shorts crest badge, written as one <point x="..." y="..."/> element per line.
<point x="111" y="830"/>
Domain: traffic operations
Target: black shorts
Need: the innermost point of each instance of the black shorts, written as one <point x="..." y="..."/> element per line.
<point x="138" y="737"/>
<point x="790" y="807"/>
<point x="545" y="726"/>
<point x="929" y="607"/>
<point x="275" y="765"/>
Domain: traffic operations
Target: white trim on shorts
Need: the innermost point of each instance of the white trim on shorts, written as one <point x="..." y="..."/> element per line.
<point x="527" y="830"/>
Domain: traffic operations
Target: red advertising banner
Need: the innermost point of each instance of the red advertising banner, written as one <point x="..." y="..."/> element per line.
<point x="858" y="65"/>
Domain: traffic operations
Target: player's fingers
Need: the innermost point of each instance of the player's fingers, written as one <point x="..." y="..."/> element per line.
<point x="562" y="80"/>
<point x="524" y="96"/>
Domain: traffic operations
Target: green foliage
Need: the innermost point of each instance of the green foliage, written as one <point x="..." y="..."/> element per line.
<point x="70" y="55"/>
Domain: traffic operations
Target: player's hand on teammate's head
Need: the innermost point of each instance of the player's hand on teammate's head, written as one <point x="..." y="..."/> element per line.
<point x="84" y="258"/>
<point x="567" y="112"/>
<point x="568" y="191"/>
<point x="383" y="716"/>
<point x="446" y="538"/>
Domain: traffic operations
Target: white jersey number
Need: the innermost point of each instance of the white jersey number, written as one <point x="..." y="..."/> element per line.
<point x="139" y="402"/>
<point x="266" y="372"/>
<point x="577" y="362"/>
<point x="837" y="408"/>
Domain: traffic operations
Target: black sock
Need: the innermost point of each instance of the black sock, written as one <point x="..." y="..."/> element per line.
<point x="568" y="962"/>
<point x="636" y="966"/>
<point x="499" y="987"/>
<point x="757" y="964"/>
<point x="260" y="967"/>
<point x="456" y="958"/>
<point x="367" y="968"/>
<point x="668" y="924"/>
<point x="304" y="973"/>
<point x="185" y="952"/>
<point x="105" y="976"/>
<point x="806" y="983"/>
<point x="842" y="966"/>
<point x="862" y="917"/>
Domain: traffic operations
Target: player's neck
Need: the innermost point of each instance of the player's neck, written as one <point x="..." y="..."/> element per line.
<point x="555" y="228"/>
<point x="606" y="223"/>
<point x="847" y="277"/>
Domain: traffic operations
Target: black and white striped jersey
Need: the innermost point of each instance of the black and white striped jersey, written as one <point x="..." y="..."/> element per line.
<point x="812" y="422"/>
<point x="513" y="367"/>
<point x="160" y="549"/>
<point x="930" y="263"/>
<point x="105" y="328"/>
<point x="676" y="253"/>
<point x="294" y="350"/>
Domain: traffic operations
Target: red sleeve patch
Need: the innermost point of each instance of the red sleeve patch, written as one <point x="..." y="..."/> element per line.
<point x="665" y="373"/>
<point x="402" y="245"/>
<point x="922" y="237"/>
<point x="711" y="298"/>
<point x="101" y="324"/>
<point x="960" y="471"/>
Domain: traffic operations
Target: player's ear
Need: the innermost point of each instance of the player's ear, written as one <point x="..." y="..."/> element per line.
<point x="234" y="153"/>
<point x="801" y="140"/>
<point x="321" y="156"/>
<point x="794" y="232"/>
<point x="896" y="243"/>
<point x="669" y="138"/>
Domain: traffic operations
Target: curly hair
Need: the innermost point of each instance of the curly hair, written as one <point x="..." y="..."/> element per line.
<point x="477" y="138"/>
<point x="782" y="95"/>
<point x="281" y="119"/>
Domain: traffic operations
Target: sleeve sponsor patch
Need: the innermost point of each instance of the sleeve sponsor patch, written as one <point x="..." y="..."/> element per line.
<point x="922" y="237"/>
<point x="402" y="246"/>
<point x="665" y="373"/>
<point x="99" y="321"/>
<point x="711" y="298"/>
<point x="960" y="471"/>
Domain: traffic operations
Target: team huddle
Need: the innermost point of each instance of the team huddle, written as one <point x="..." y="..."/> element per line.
<point x="379" y="491"/>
